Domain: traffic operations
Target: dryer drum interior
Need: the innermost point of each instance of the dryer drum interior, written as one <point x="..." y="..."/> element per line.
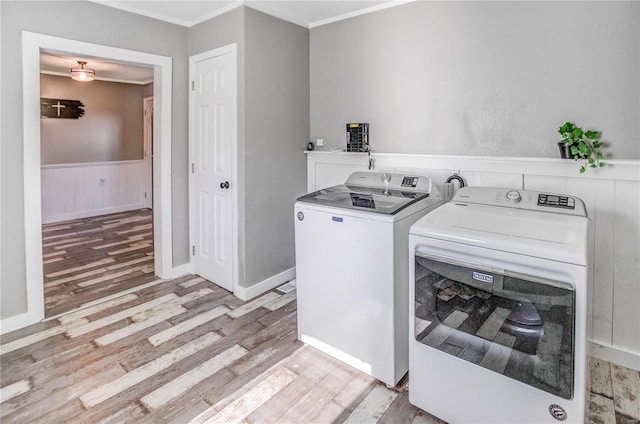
<point x="520" y="327"/>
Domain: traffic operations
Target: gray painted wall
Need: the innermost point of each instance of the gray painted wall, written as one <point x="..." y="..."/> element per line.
<point x="93" y="23"/>
<point x="109" y="130"/>
<point x="273" y="126"/>
<point x="480" y="78"/>
<point x="276" y="134"/>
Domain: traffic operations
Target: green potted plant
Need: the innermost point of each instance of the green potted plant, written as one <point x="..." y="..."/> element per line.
<point x="580" y="145"/>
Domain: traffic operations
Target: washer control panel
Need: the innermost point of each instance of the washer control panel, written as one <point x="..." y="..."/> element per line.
<point x="521" y="199"/>
<point x="409" y="182"/>
<point x="556" y="201"/>
<point x="514" y="196"/>
<point x="387" y="180"/>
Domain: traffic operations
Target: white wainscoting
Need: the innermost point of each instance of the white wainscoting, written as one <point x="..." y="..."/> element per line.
<point x="612" y="197"/>
<point x="72" y="191"/>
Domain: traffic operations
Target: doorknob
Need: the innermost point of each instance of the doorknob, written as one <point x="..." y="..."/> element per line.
<point x="224" y="184"/>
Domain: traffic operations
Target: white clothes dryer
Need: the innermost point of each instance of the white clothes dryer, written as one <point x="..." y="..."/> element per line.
<point x="498" y="308"/>
<point x="351" y="269"/>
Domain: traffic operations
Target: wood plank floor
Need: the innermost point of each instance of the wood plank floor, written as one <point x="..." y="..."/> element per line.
<point x="185" y="350"/>
<point x="90" y="258"/>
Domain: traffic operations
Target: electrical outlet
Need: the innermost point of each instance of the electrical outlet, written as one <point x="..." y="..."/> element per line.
<point x="319" y="142"/>
<point x="103" y="181"/>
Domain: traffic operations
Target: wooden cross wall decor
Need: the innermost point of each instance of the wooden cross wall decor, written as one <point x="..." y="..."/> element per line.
<point x="62" y="109"/>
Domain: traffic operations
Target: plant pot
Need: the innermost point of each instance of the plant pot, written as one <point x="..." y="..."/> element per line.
<point x="565" y="151"/>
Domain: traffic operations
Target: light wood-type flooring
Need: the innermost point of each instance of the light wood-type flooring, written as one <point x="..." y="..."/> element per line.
<point x="91" y="258"/>
<point x="185" y="350"/>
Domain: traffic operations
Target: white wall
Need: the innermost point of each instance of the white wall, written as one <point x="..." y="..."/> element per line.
<point x="612" y="197"/>
<point x="480" y="78"/>
<point x="74" y="191"/>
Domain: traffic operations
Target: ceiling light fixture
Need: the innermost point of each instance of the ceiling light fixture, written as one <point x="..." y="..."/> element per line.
<point x="82" y="73"/>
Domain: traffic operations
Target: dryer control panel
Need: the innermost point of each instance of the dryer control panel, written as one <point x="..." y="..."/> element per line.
<point x="522" y="199"/>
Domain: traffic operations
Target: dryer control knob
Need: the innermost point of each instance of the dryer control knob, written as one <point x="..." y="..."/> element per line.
<point x="514" y="196"/>
<point x="386" y="178"/>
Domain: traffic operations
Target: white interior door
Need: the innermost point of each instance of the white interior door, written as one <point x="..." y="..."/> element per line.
<point x="148" y="151"/>
<point x="213" y="164"/>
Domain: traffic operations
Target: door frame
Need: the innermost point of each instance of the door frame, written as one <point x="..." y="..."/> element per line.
<point x="148" y="179"/>
<point x="235" y="195"/>
<point x="32" y="43"/>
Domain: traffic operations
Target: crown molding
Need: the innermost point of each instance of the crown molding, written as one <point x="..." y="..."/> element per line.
<point x="358" y="13"/>
<point x="256" y="5"/>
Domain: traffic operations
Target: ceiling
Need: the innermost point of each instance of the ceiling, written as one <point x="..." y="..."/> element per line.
<point x="60" y="64"/>
<point x="307" y="13"/>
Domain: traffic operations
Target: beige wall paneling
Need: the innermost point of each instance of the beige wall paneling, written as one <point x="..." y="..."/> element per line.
<point x="83" y="190"/>
<point x="604" y="223"/>
<point x="547" y="183"/>
<point x="626" y="269"/>
<point x="492" y="179"/>
<point x="328" y="169"/>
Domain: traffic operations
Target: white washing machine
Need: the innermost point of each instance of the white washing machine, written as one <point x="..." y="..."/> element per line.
<point x="498" y="308"/>
<point x="351" y="269"/>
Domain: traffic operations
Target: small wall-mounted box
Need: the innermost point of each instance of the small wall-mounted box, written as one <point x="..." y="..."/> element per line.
<point x="358" y="137"/>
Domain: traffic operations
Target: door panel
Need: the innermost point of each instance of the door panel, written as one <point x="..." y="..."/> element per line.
<point x="214" y="100"/>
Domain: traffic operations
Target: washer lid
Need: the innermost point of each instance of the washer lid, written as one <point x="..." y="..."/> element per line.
<point x="368" y="199"/>
<point x="554" y="236"/>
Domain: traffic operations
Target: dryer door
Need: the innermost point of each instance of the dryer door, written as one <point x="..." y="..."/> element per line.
<point x="516" y="325"/>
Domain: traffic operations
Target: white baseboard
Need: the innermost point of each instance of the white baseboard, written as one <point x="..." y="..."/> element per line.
<point x="90" y="213"/>
<point x="248" y="293"/>
<point x="180" y="270"/>
<point x="614" y="354"/>
<point x="17" y="322"/>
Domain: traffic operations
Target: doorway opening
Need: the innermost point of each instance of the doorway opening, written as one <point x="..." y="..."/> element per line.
<point x="96" y="144"/>
<point x="33" y="44"/>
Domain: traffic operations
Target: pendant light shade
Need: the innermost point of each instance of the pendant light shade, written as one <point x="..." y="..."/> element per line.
<point x="81" y="73"/>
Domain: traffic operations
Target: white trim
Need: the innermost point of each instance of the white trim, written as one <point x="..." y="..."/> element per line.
<point x="89" y="164"/>
<point x="283" y="16"/>
<point x="248" y="293"/>
<point x="92" y="212"/>
<point x="218" y="12"/>
<point x="615" y="170"/>
<point x="614" y="354"/>
<point x="358" y="13"/>
<point x="31" y="45"/>
<point x="17" y="322"/>
<point x="235" y="196"/>
<point x="165" y="18"/>
<point x="123" y="81"/>
<point x="256" y="5"/>
<point x="181" y="270"/>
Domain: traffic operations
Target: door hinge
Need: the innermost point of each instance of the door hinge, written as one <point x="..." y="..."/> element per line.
<point x="193" y="250"/>
<point x="193" y="85"/>
<point x="193" y="168"/>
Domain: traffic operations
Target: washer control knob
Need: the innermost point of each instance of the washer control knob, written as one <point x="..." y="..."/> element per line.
<point x="386" y="178"/>
<point x="514" y="196"/>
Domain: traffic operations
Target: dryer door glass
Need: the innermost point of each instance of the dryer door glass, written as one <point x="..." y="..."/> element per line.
<point x="515" y="325"/>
